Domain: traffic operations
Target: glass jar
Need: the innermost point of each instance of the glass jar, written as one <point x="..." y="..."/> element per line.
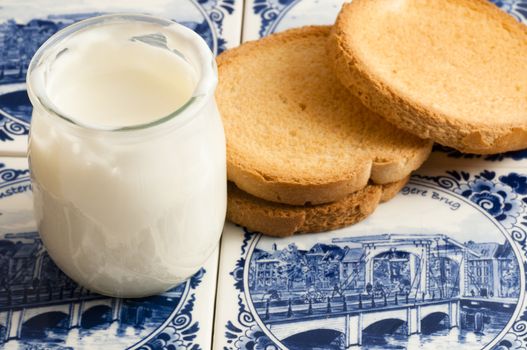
<point x="128" y="210"/>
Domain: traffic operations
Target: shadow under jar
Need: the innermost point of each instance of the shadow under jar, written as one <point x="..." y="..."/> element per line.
<point x="127" y="153"/>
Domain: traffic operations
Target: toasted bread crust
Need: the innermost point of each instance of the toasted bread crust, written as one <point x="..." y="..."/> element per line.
<point x="279" y="191"/>
<point x="425" y="121"/>
<point x="281" y="220"/>
<point x="314" y="186"/>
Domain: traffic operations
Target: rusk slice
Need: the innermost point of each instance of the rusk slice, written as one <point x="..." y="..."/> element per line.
<point x="451" y="70"/>
<point x="294" y="134"/>
<point x="282" y="220"/>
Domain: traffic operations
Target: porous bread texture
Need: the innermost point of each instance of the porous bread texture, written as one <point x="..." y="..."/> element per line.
<point x="294" y="134"/>
<point x="450" y="70"/>
<point x="281" y="220"/>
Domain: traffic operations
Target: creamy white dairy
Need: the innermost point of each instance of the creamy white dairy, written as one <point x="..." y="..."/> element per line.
<point x="127" y="213"/>
<point x="106" y="79"/>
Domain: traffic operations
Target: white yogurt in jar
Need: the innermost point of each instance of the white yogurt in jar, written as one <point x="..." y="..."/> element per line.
<point x="106" y="79"/>
<point x="130" y="195"/>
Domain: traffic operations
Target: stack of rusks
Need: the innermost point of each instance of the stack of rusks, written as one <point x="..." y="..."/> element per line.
<point x="324" y="123"/>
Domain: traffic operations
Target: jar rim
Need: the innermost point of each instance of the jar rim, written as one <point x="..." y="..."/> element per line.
<point x="204" y="88"/>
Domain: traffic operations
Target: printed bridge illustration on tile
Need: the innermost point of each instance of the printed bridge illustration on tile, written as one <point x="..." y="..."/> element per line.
<point x="37" y="301"/>
<point x="359" y="288"/>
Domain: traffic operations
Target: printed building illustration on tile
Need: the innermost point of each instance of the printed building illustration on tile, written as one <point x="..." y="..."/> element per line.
<point x="404" y="278"/>
<point x="388" y="265"/>
<point x="424" y="283"/>
<point x="37" y="298"/>
<point x="370" y="289"/>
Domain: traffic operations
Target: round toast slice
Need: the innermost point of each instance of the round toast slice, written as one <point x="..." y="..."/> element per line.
<point x="280" y="220"/>
<point x="450" y="70"/>
<point x="294" y="134"/>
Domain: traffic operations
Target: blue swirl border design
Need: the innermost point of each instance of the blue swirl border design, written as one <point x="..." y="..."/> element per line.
<point x="217" y="11"/>
<point x="452" y="153"/>
<point x="181" y="331"/>
<point x="511" y="189"/>
<point x="271" y="12"/>
<point x="11" y="129"/>
<point x="466" y="185"/>
<point x="244" y="333"/>
<point x="9" y="175"/>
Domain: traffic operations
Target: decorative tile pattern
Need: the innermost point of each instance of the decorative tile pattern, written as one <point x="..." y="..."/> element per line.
<point x="41" y="308"/>
<point x="416" y="283"/>
<point x="25" y="25"/>
<point x="264" y="17"/>
<point x="450" y="271"/>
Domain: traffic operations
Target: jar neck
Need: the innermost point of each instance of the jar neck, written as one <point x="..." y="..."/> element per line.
<point x="147" y="30"/>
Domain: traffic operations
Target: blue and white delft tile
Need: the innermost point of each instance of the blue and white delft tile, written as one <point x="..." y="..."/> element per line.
<point x="443" y="264"/>
<point x="446" y="155"/>
<point x="41" y="308"/>
<point x="26" y="24"/>
<point x="264" y="17"/>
